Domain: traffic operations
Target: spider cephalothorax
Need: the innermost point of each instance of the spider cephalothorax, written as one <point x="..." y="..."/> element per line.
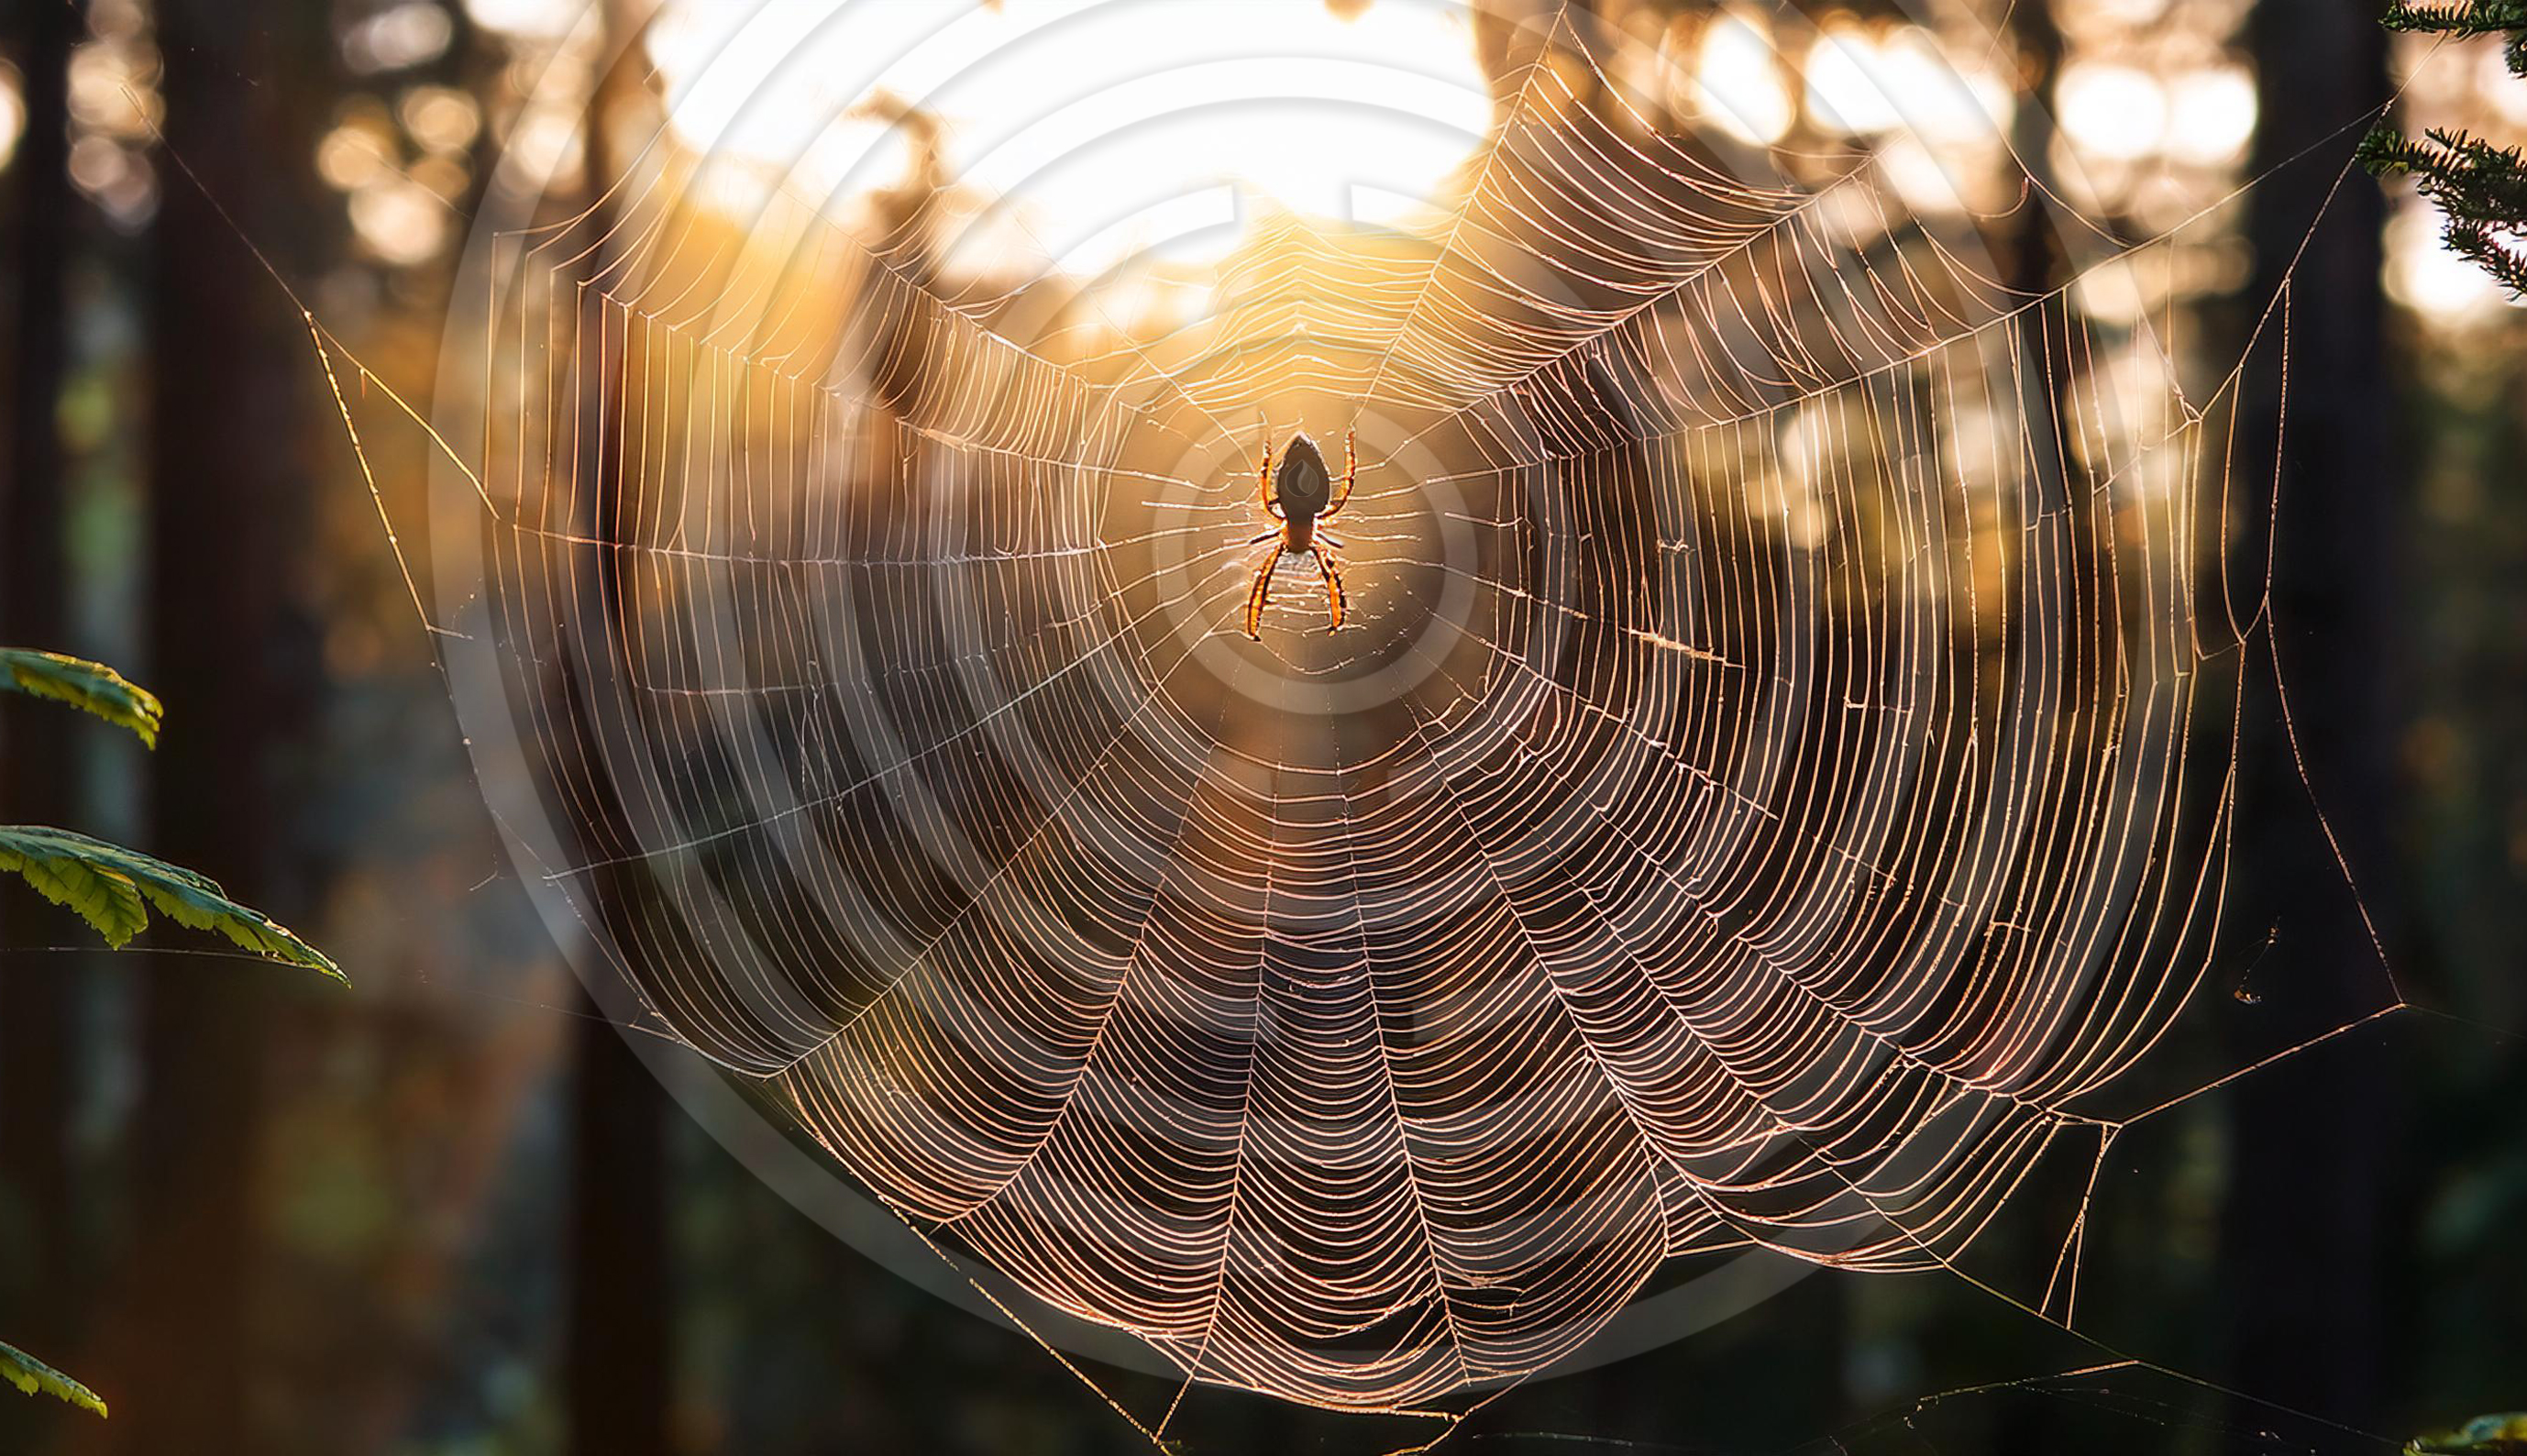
<point x="1303" y="492"/>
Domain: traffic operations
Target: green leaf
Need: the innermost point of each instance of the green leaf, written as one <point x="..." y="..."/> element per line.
<point x="91" y="687"/>
<point x="32" y="1374"/>
<point x="114" y="888"/>
<point x="2483" y="1435"/>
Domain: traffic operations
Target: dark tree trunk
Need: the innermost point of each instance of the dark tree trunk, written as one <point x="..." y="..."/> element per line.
<point x="231" y="653"/>
<point x="2035" y="244"/>
<point x="2306" y="1240"/>
<point x="2034" y="263"/>
<point x="619" y="1371"/>
<point x="37" y="1024"/>
<point x="619" y="1366"/>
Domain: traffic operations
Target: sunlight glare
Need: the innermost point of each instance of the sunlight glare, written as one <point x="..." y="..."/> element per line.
<point x="2493" y="83"/>
<point x="2116" y="112"/>
<point x="2426" y="276"/>
<point x="1092" y="119"/>
<point x="411" y="33"/>
<point x="1844" y="92"/>
<point x="441" y="119"/>
<point x="2211" y="116"/>
<point x="13" y="114"/>
<point x="1863" y="87"/>
<point x="541" y="20"/>
<point x="1739" y="79"/>
<point x="400" y="220"/>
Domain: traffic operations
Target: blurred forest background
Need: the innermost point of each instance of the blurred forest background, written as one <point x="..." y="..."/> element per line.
<point x="447" y="1212"/>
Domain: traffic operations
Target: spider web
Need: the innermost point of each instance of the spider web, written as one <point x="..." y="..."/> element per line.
<point x="1763" y="798"/>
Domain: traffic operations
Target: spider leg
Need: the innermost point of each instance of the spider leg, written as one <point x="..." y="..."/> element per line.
<point x="1351" y="470"/>
<point x="1333" y="587"/>
<point x="1265" y="537"/>
<point x="1264" y="490"/>
<point x="1257" y="595"/>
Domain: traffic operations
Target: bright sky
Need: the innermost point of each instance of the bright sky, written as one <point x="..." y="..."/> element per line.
<point x="1115" y="125"/>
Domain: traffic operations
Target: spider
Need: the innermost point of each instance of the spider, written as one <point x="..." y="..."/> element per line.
<point x="1303" y="492"/>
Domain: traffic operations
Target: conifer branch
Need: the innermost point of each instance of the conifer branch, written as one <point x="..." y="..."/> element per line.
<point x="2480" y="187"/>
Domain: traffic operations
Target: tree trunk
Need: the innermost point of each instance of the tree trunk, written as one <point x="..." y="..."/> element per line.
<point x="232" y="657"/>
<point x="619" y="1366"/>
<point x="619" y="1372"/>
<point x="36" y="778"/>
<point x="2034" y="263"/>
<point x="2305" y="1236"/>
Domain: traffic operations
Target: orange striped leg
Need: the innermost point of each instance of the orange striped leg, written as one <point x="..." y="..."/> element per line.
<point x="1260" y="591"/>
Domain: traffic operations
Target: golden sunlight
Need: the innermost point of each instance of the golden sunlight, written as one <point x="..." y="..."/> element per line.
<point x="1106" y="133"/>
<point x="13" y="114"/>
<point x="2114" y="112"/>
<point x="1739" y="79"/>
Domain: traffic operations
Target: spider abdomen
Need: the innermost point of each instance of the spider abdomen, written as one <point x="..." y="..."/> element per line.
<point x="1303" y="487"/>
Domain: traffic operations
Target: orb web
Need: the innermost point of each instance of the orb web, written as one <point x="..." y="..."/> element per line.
<point x="1758" y="801"/>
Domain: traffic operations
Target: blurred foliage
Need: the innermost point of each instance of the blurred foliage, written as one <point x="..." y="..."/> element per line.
<point x="90" y="687"/>
<point x="2483" y="1435"/>
<point x="112" y="888"/>
<point x="34" y="1376"/>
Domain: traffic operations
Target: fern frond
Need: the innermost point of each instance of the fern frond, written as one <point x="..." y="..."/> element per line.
<point x="90" y="687"/>
<point x="34" y="1376"/>
<point x="113" y="889"/>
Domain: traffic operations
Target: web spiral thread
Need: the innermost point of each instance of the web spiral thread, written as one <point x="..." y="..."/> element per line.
<point x="1760" y="800"/>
